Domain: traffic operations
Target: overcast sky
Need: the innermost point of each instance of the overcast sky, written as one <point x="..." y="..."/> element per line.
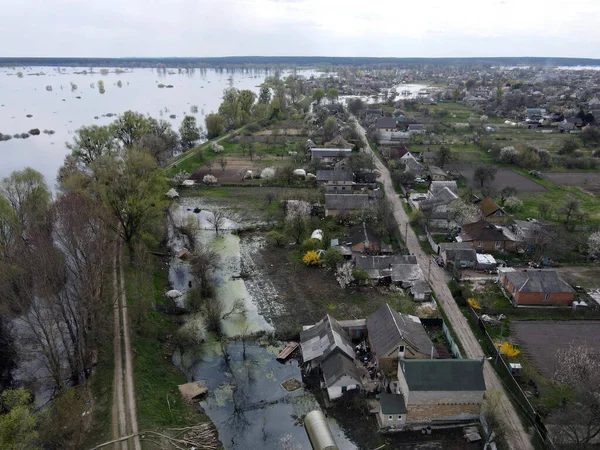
<point x="430" y="28"/>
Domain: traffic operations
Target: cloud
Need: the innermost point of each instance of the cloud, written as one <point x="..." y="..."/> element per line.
<point x="299" y="27"/>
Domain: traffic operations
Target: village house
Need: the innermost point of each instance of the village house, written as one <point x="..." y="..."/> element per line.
<point x="411" y="164"/>
<point x="416" y="128"/>
<point x="326" y="346"/>
<point x="323" y="176"/>
<point x="379" y="268"/>
<point x="385" y="124"/>
<point x="429" y="157"/>
<point x="459" y="254"/>
<point x="329" y="155"/>
<point x="409" y="276"/>
<point x="336" y="204"/>
<point x="363" y="239"/>
<point x="537" y="287"/>
<point x="339" y="187"/>
<point x="392" y="411"/>
<point x="437" y="207"/>
<point x="492" y="212"/>
<point x="440" y="392"/>
<point x="437" y="174"/>
<point x="486" y="237"/>
<point x="389" y="330"/>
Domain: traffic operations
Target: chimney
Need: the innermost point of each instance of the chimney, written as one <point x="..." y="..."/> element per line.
<point x="401" y="352"/>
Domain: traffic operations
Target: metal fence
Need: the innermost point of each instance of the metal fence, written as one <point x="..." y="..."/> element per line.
<point x="511" y="384"/>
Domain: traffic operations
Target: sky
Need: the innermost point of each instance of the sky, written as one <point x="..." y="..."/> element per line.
<point x="376" y="28"/>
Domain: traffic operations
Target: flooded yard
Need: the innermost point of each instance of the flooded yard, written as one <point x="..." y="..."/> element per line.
<point x="246" y="399"/>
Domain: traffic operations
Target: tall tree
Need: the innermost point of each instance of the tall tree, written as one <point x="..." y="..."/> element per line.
<point x="162" y="141"/>
<point x="133" y="189"/>
<point x="28" y="195"/>
<point x="444" y="156"/>
<point x="130" y="127"/>
<point x="246" y="101"/>
<point x="215" y="125"/>
<point x="332" y="94"/>
<point x="230" y="106"/>
<point x="189" y="131"/>
<point x="318" y="95"/>
<point x="91" y="142"/>
<point x="18" y="421"/>
<point x="484" y="174"/>
<point x="330" y="128"/>
<point x="264" y="97"/>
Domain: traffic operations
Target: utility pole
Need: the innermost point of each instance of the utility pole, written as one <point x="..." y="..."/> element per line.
<point x="429" y="271"/>
<point x="500" y="341"/>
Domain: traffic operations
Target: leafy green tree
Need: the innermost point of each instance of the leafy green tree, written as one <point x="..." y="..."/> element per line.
<point x="330" y="128"/>
<point x="470" y="84"/>
<point x="499" y="95"/>
<point x="333" y="258"/>
<point x="246" y="99"/>
<point x="570" y="209"/>
<point x="28" y="195"/>
<point x="189" y="131"/>
<point x="311" y="244"/>
<point x="130" y="127"/>
<point x="230" y="107"/>
<point x="264" y="97"/>
<point x="569" y="146"/>
<point x="215" y="125"/>
<point x="133" y="189"/>
<point x="318" y="95"/>
<point x="161" y="142"/>
<point x="356" y="105"/>
<point x="91" y="142"/>
<point x="275" y="238"/>
<point x="333" y="94"/>
<point x="18" y="423"/>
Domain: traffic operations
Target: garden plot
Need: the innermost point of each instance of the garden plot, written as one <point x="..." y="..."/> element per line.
<point x="504" y="178"/>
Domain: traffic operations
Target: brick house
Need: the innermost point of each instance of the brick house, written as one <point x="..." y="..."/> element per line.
<point x="492" y="212"/>
<point x="537" y="287"/>
<point x="440" y="391"/>
<point x="389" y="330"/>
<point x="486" y="237"/>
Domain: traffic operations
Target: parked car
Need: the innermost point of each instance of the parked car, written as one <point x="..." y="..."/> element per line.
<point x="420" y="180"/>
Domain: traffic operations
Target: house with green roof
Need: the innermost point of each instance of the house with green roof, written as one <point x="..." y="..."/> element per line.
<point x="440" y="391"/>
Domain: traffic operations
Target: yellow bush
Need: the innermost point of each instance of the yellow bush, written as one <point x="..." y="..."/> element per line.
<point x="474" y="303"/>
<point x="508" y="349"/>
<point x="311" y="258"/>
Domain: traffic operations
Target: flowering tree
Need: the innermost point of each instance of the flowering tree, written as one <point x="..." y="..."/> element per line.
<point x="209" y="180"/>
<point x="508" y="349"/>
<point x="181" y="176"/>
<point x="216" y="147"/>
<point x="509" y="155"/>
<point x="594" y="244"/>
<point x="268" y="173"/>
<point x="474" y="303"/>
<point x="513" y="203"/>
<point x="343" y="275"/>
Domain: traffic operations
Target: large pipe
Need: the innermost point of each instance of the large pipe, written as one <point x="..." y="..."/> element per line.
<point x="318" y="431"/>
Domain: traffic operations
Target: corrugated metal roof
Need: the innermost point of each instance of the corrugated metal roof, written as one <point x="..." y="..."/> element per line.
<point x="323" y="338"/>
<point x="392" y="403"/>
<point x="546" y="281"/>
<point x="336" y="365"/>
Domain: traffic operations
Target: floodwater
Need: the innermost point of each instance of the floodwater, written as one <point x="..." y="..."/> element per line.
<point x="64" y="109"/>
<point x="404" y="91"/>
<point x="235" y="260"/>
<point x="246" y="400"/>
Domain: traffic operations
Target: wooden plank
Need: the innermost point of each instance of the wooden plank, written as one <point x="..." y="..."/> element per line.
<point x="287" y="351"/>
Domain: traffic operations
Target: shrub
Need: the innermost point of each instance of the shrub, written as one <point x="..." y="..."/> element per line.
<point x="275" y="238"/>
<point x="474" y="303"/>
<point x="311" y="244"/>
<point x="509" y="155"/>
<point x="216" y="147"/>
<point x="311" y="258"/>
<point x="333" y="257"/>
<point x="209" y="180"/>
<point x="513" y="204"/>
<point x="508" y="349"/>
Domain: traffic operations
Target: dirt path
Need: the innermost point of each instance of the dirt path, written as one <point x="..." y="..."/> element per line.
<point x="517" y="436"/>
<point x="124" y="415"/>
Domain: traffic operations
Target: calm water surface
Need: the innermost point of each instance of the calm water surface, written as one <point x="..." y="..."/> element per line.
<point x="60" y="109"/>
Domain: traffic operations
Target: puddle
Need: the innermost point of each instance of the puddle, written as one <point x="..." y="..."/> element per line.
<point x="246" y="399"/>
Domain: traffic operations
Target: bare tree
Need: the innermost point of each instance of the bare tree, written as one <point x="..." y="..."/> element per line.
<point x="222" y="163"/>
<point x="203" y="263"/>
<point x="217" y="220"/>
<point x="238" y="307"/>
<point x="577" y="420"/>
<point x="484" y="174"/>
<point x="209" y="164"/>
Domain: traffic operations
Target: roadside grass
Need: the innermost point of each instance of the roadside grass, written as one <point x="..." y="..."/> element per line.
<point x="101" y="387"/>
<point x="155" y="377"/>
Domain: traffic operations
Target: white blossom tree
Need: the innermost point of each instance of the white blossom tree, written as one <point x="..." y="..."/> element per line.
<point x="513" y="203"/>
<point x="509" y="155"/>
<point x="209" y="180"/>
<point x="343" y="275"/>
<point x="268" y="173"/>
<point x="594" y="244"/>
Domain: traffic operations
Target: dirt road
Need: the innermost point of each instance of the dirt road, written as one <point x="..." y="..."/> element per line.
<point x="517" y="436"/>
<point x="124" y="415"/>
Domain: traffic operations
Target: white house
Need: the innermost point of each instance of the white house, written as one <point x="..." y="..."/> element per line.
<point x="339" y="375"/>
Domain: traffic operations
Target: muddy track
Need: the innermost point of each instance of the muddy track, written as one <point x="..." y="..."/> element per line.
<point x="124" y="414"/>
<point x="517" y="435"/>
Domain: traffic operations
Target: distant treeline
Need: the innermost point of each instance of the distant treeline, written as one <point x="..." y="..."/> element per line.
<point x="308" y="61"/>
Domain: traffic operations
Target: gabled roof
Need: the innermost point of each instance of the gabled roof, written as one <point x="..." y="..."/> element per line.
<point x="406" y="273"/>
<point x="336" y="365"/>
<point x="435" y="170"/>
<point x="325" y="337"/>
<point x="461" y="254"/>
<point x="334" y="175"/>
<point x="361" y="233"/>
<point x="346" y="202"/>
<point x="489" y="206"/>
<point x="437" y="186"/>
<point x="482" y="231"/>
<point x="377" y="262"/>
<point x="385" y="122"/>
<point x="392" y="403"/>
<point x="443" y="374"/>
<point x="546" y="281"/>
<point x="388" y="328"/>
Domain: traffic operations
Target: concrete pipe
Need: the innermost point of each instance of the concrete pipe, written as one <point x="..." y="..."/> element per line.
<point x="318" y="431"/>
